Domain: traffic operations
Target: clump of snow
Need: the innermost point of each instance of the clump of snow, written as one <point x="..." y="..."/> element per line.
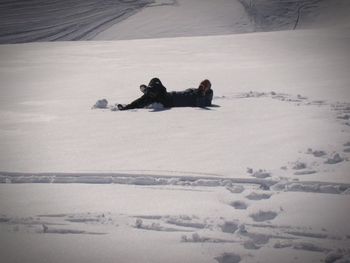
<point x="100" y="104"/>
<point x="114" y="107"/>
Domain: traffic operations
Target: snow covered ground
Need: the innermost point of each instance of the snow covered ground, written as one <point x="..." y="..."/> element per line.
<point x="262" y="176"/>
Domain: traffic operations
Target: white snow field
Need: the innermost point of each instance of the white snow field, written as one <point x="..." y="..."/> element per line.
<point x="261" y="176"/>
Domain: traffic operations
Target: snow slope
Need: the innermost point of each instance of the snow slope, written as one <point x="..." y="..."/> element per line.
<point x="262" y="176"/>
<point x="173" y="18"/>
<point x="40" y="20"/>
<point x="182" y="18"/>
<point x="30" y="21"/>
<point x="48" y="91"/>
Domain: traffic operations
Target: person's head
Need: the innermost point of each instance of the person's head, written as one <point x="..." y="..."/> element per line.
<point x="155" y="88"/>
<point x="155" y="82"/>
<point x="204" y="86"/>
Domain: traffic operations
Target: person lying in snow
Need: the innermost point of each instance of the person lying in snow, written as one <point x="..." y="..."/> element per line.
<point x="156" y="92"/>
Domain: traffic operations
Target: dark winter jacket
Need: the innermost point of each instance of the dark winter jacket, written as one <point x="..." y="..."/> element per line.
<point x="190" y="98"/>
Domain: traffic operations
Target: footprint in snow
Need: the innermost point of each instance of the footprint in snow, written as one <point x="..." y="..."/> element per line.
<point x="228" y="258"/>
<point x="229" y="227"/>
<point x="336" y="158"/>
<point x="257" y="196"/>
<point x="316" y="153"/>
<point x="239" y="205"/>
<point x="263" y="216"/>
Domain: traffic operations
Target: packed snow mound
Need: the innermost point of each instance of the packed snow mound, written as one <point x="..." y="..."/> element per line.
<point x="42" y="20"/>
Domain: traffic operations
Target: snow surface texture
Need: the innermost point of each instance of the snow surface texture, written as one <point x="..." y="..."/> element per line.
<point x="242" y="181"/>
<point x="170" y="222"/>
<point x="262" y="176"/>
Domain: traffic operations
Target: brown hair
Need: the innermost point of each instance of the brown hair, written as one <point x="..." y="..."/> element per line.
<point x="205" y="84"/>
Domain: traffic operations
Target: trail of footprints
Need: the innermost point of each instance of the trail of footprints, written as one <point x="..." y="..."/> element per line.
<point x="257" y="230"/>
<point x="302" y="167"/>
<point x="299" y="239"/>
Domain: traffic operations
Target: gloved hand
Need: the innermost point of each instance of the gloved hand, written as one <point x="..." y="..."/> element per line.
<point x="143" y="88"/>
